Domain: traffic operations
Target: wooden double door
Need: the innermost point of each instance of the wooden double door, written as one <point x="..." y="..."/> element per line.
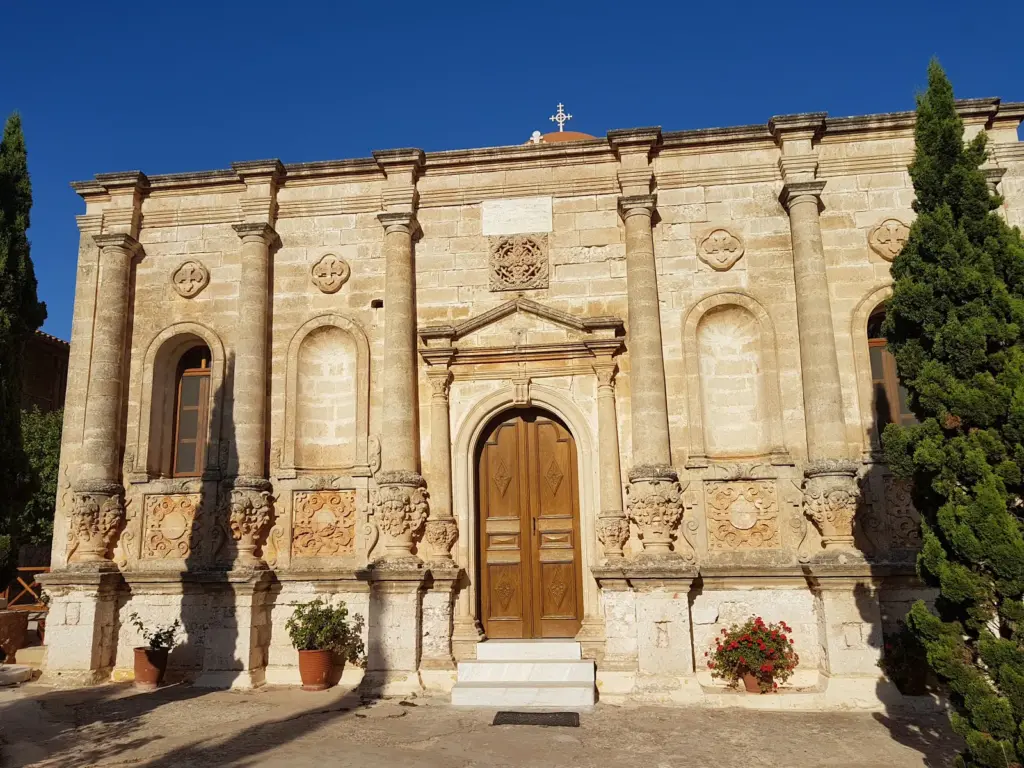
<point x="529" y="528"/>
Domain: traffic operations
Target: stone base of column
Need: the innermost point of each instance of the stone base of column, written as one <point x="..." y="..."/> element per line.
<point x="438" y="602"/>
<point x="465" y="636"/>
<point x="400" y="509"/>
<point x="238" y="635"/>
<point x="81" y="625"/>
<point x="394" y="627"/>
<point x="591" y="638"/>
<point x="831" y="496"/>
<point x="655" y="502"/>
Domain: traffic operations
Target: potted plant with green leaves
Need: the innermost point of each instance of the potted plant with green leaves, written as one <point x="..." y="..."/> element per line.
<point x="320" y="632"/>
<point x="151" y="660"/>
<point x="759" y="654"/>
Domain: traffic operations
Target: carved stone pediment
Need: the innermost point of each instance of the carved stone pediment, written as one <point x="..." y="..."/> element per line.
<point x="521" y="329"/>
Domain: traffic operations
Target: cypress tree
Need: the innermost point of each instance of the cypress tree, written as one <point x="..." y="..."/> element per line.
<point x="21" y="313"/>
<point x="955" y="324"/>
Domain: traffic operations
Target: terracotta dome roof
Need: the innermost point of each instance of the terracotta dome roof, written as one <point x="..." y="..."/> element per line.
<point x="556" y="136"/>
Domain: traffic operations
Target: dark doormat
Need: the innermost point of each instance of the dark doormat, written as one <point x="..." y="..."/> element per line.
<point x="556" y="719"/>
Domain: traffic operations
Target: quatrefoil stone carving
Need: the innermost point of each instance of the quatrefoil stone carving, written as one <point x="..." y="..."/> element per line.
<point x="888" y="238"/>
<point x="330" y="273"/>
<point x="720" y="249"/>
<point x="190" y="278"/>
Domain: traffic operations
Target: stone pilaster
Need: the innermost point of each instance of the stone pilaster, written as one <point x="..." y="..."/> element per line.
<point x="830" y="486"/>
<point x="442" y="531"/>
<point x="612" y="523"/>
<point x="436" y="644"/>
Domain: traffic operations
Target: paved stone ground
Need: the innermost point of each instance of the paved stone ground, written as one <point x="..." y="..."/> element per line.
<point x="182" y="727"/>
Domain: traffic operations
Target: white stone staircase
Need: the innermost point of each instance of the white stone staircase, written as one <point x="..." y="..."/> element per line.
<point x="525" y="673"/>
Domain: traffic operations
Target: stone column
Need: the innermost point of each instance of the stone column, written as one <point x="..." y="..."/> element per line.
<point x="612" y="524"/>
<point x="97" y="513"/>
<point x="442" y="530"/>
<point x="249" y="506"/>
<point x="654" y="493"/>
<point x="400" y="506"/>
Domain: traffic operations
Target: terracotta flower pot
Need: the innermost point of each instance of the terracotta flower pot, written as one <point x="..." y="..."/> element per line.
<point x="315" y="669"/>
<point x="150" y="665"/>
<point x="750" y="683"/>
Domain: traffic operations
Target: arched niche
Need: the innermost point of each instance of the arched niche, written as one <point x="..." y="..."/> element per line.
<point x="312" y="344"/>
<point x="157" y="393"/>
<point x="755" y="332"/>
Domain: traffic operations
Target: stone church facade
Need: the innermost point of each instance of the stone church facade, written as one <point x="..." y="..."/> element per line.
<point x="625" y="390"/>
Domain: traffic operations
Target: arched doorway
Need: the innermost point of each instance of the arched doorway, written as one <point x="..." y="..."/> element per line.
<point x="528" y="527"/>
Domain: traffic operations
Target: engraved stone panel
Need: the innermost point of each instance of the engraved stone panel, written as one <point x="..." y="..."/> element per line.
<point x="720" y="249"/>
<point x="330" y="273"/>
<point x="171" y="522"/>
<point x="519" y="262"/>
<point x="190" y="278"/>
<point x="904" y="521"/>
<point x="516" y="216"/>
<point x="888" y="238"/>
<point x="324" y="523"/>
<point x="742" y="515"/>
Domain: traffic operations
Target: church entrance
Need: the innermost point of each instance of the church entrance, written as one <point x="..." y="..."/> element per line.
<point x="531" y="580"/>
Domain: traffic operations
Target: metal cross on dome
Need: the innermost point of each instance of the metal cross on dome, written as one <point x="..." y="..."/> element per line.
<point x="560" y="117"/>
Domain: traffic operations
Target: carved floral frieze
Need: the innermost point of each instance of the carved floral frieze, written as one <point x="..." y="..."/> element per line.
<point x="324" y="523"/>
<point x="170" y="525"/>
<point x="519" y="262"/>
<point x="888" y="238"/>
<point x="742" y="515"/>
<point x="720" y="249"/>
<point x="329" y="273"/>
<point x="904" y="520"/>
<point x="190" y="278"/>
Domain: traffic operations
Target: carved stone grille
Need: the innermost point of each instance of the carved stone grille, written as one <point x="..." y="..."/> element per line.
<point x="519" y="262"/>
<point x="742" y="515"/>
<point x="324" y="523"/>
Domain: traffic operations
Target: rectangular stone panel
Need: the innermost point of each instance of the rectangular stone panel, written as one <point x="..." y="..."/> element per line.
<point x="516" y="216"/>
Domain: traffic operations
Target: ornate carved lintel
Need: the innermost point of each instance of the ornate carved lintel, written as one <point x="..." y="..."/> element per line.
<point x="830" y="500"/>
<point x="655" y="502"/>
<point x="249" y="516"/>
<point x="400" y="508"/>
<point x="97" y="517"/>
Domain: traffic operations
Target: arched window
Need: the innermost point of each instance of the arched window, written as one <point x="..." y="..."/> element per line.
<point x="191" y="412"/>
<point x="890" y="397"/>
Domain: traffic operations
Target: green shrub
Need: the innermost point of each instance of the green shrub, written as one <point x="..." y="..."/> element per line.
<point x="316" y="626"/>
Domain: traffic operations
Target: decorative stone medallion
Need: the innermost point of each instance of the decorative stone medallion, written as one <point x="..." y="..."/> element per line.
<point x="742" y="515"/>
<point x="324" y="523"/>
<point x="170" y="522"/>
<point x="190" y="278"/>
<point x="904" y="520"/>
<point x="330" y="273"/>
<point x="720" y="249"/>
<point x="519" y="262"/>
<point x="888" y="238"/>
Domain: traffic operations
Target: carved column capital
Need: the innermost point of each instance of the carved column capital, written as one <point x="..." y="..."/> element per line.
<point x="399" y="221"/>
<point x="831" y="496"/>
<point x="637" y="205"/>
<point x="797" y="192"/>
<point x="249" y="513"/>
<point x="400" y="509"/>
<point x="118" y="242"/>
<point x="97" y="517"/>
<point x="440" y="384"/>
<point x="605" y="373"/>
<point x="993" y="176"/>
<point x="256" y="232"/>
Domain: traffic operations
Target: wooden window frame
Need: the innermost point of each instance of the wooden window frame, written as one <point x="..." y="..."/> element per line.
<point x="202" y="418"/>
<point x="889" y="382"/>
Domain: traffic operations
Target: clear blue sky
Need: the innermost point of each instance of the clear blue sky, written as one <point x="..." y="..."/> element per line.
<point x="180" y="86"/>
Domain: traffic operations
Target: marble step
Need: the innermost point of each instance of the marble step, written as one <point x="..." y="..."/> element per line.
<point x="526" y="671"/>
<point x="528" y="650"/>
<point x="504" y="695"/>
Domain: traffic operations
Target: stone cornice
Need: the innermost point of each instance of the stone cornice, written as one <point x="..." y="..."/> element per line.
<point x="256" y="169"/>
<point x="636" y="139"/>
<point x="407" y="158"/>
<point x="805" y="122"/>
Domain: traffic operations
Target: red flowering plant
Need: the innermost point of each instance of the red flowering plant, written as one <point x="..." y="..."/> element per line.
<point x="762" y="650"/>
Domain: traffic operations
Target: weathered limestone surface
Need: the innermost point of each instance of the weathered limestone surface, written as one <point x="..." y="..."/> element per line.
<point x="692" y="305"/>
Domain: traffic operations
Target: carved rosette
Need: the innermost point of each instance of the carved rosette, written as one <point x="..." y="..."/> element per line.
<point x="190" y="278"/>
<point x="655" y="502"/>
<point x="249" y="516"/>
<point x="330" y="273"/>
<point x="400" y="507"/>
<point x="720" y="249"/>
<point x="519" y="262"/>
<point x="613" y="533"/>
<point x="831" y="496"/>
<point x="97" y="516"/>
<point x="442" y="534"/>
<point x="888" y="238"/>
